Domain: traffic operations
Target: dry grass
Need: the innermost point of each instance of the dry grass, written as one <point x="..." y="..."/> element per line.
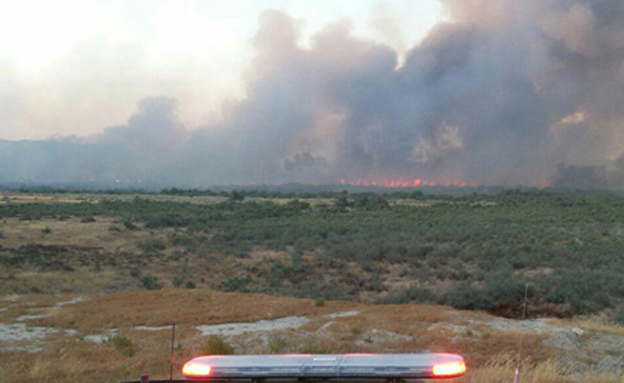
<point x="489" y="353"/>
<point x="18" y="198"/>
<point x="70" y="359"/>
<point x="501" y="368"/>
<point x="412" y="202"/>
<point x="413" y="328"/>
<point x="81" y="362"/>
<point x="601" y="326"/>
<point x="71" y="232"/>
<point x="158" y="308"/>
<point x="14" y="197"/>
<point x="592" y="377"/>
<point x="598" y="323"/>
<point x="81" y="281"/>
<point x="282" y="201"/>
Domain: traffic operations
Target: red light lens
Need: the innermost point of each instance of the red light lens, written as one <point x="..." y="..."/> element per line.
<point x="449" y="369"/>
<point x="195" y="370"/>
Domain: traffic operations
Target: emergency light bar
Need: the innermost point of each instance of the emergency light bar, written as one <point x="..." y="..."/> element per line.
<point x="347" y="366"/>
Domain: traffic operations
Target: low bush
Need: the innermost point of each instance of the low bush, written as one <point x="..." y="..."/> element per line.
<point x="152" y="245"/>
<point x="150" y="282"/>
<point x="618" y="315"/>
<point x="121" y="343"/>
<point x="412" y="294"/>
<point x="566" y="244"/>
<point x="128" y="224"/>
<point x="236" y="284"/>
<point x="217" y="345"/>
<point x="276" y="344"/>
<point x="314" y="347"/>
<point x="190" y="285"/>
<point x="177" y="282"/>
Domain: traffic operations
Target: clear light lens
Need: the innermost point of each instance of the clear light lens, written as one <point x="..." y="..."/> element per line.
<point x="449" y="369"/>
<point x="195" y="370"/>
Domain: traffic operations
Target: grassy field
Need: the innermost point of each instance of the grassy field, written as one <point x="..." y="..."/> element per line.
<point x="395" y="263"/>
<point x="470" y="252"/>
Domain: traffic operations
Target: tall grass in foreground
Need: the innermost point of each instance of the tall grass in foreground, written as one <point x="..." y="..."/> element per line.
<point x="106" y="366"/>
<point x="501" y="369"/>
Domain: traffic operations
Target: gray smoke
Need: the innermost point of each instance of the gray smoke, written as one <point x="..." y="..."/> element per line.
<point x="509" y="92"/>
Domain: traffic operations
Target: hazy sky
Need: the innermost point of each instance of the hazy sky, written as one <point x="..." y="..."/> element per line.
<point x="198" y="93"/>
<point x="75" y="67"/>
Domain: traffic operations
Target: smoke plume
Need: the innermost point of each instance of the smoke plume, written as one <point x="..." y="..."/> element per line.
<point x="507" y="92"/>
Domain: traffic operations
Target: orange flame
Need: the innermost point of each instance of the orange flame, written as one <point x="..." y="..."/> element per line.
<point x="405" y="183"/>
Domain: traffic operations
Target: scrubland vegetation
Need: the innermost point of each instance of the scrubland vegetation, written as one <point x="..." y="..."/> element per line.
<point x="471" y="252"/>
<point x="155" y="259"/>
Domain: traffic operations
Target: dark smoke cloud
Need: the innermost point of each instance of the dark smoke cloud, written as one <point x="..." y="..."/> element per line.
<point x="579" y="176"/>
<point x="610" y="176"/>
<point x="503" y="94"/>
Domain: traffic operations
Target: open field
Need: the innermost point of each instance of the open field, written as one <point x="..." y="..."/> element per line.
<point x="470" y="252"/>
<point x="70" y="338"/>
<point x="325" y="273"/>
<point x="14" y="197"/>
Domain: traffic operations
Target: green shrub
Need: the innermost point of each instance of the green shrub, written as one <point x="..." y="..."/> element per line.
<point x="177" y="282"/>
<point x="583" y="291"/>
<point x="566" y="244"/>
<point x="87" y="219"/>
<point x="190" y="285"/>
<point x="236" y="196"/>
<point x="129" y="225"/>
<point x="314" y="348"/>
<point x="417" y="194"/>
<point x="180" y="239"/>
<point x="151" y="282"/>
<point x="618" y="315"/>
<point x="412" y="294"/>
<point x="216" y="345"/>
<point x="121" y="343"/>
<point x="276" y="345"/>
<point x="356" y="330"/>
<point x="342" y="202"/>
<point x="152" y="245"/>
<point x="242" y="255"/>
<point x="369" y="202"/>
<point x="319" y="302"/>
<point x="464" y="295"/>
<point x="236" y="284"/>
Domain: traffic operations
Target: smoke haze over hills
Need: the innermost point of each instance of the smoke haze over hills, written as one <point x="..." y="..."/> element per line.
<point x="506" y="92"/>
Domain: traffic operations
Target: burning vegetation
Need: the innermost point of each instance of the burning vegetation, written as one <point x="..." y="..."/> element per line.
<point x="500" y="94"/>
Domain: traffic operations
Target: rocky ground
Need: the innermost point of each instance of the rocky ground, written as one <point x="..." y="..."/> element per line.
<point x="72" y="330"/>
